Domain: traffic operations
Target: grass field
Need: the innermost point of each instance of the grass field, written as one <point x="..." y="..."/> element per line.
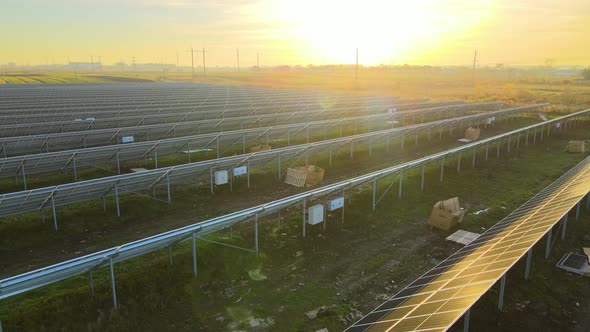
<point x="350" y="267"/>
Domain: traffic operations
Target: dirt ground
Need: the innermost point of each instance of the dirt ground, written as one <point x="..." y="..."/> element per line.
<point x="346" y="270"/>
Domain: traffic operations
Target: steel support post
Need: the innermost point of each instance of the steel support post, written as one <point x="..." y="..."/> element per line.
<point x="279" y="166"/>
<point x="217" y="143"/>
<point x="564" y="221"/>
<point x="466" y="320"/>
<point x="256" y="233"/>
<point x="370" y="148"/>
<point x="526" y="138"/>
<point x="542" y="132"/>
<point x="119" y="163"/>
<point x="248" y="173"/>
<point x="113" y="289"/>
<point x="168" y="189"/>
<point x="75" y="169"/>
<point x="170" y="255"/>
<point x="117" y="200"/>
<point x="54" y="213"/>
<point x="344" y="197"/>
<point x="473" y="158"/>
<point x="156" y="157"/>
<point x="211" y="179"/>
<point x="194" y="254"/>
<point x="351" y="149"/>
<point x="487" y="150"/>
<point x="188" y="151"/>
<point x="401" y="182"/>
<point x="527" y="269"/>
<point x="548" y="246"/>
<point x="91" y="281"/>
<point x="578" y="210"/>
<point x="508" y="145"/>
<point x="303" y="217"/>
<point x="374" y="193"/>
<point x="498" y="148"/>
<point x="587" y="201"/>
<point x="501" y="297"/>
<point x="416" y="138"/>
<point x="442" y="169"/>
<point x="459" y="163"/>
<point x="422" y="177"/>
<point x="518" y="141"/>
<point x="244" y="144"/>
<point x="24" y="176"/>
<point x="104" y="203"/>
<point x="403" y="139"/>
<point x="535" y="135"/>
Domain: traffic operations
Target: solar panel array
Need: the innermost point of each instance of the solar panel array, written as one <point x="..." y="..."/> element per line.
<point x="54" y="273"/>
<point x="70" y="193"/>
<point x="436" y="300"/>
<point x="221" y="142"/>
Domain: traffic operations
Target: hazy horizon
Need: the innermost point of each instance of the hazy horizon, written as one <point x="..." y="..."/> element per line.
<point x="291" y="33"/>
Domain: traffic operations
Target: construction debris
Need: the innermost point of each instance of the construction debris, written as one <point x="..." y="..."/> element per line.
<point x="463" y="237"/>
<point x="576" y="146"/>
<point x="446" y="214"/>
<point x="304" y="176"/>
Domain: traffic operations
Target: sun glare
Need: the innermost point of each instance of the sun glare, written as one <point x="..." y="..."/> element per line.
<point x="385" y="31"/>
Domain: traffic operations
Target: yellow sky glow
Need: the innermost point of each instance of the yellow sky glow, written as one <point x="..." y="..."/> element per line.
<point x="438" y="32"/>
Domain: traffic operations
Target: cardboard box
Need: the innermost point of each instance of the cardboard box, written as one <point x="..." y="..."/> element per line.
<point x="472" y="133"/>
<point x="576" y="146"/>
<point x="304" y="176"/>
<point x="446" y="214"/>
<point x="261" y="147"/>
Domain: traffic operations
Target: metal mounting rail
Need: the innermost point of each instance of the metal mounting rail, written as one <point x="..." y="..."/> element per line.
<point x="57" y="272"/>
<point x="70" y="193"/>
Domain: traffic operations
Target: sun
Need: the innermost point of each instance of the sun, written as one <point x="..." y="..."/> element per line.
<point x="329" y="31"/>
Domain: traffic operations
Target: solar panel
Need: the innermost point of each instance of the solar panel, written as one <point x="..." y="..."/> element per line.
<point x="89" y="157"/>
<point x="70" y="193"/>
<point x="436" y="300"/>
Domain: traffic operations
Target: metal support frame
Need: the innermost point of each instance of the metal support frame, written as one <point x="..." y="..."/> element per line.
<point x="91" y="282"/>
<point x="527" y="269"/>
<point x="548" y="246"/>
<point x="442" y="169"/>
<point x="564" y="223"/>
<point x="117" y="200"/>
<point x="168" y="189"/>
<point x="194" y="254"/>
<point x="422" y="177"/>
<point x="303" y="217"/>
<point x="113" y="289"/>
<point x="466" y="320"/>
<point x="54" y="213"/>
<point x="256" y="233"/>
<point x="459" y="163"/>
<point x="401" y="181"/>
<point x="501" y="297"/>
<point x="374" y="193"/>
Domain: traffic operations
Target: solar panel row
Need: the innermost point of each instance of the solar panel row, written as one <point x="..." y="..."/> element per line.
<point x="435" y="301"/>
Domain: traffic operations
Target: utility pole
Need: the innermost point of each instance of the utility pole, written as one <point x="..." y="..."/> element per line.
<point x="192" y="50"/>
<point x="356" y="70"/>
<point x="177" y="63"/>
<point x="257" y="60"/>
<point x="238" y="55"/>
<point x="133" y="59"/>
<point x="91" y="63"/>
<point x="473" y="71"/>
<point x="204" y="71"/>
